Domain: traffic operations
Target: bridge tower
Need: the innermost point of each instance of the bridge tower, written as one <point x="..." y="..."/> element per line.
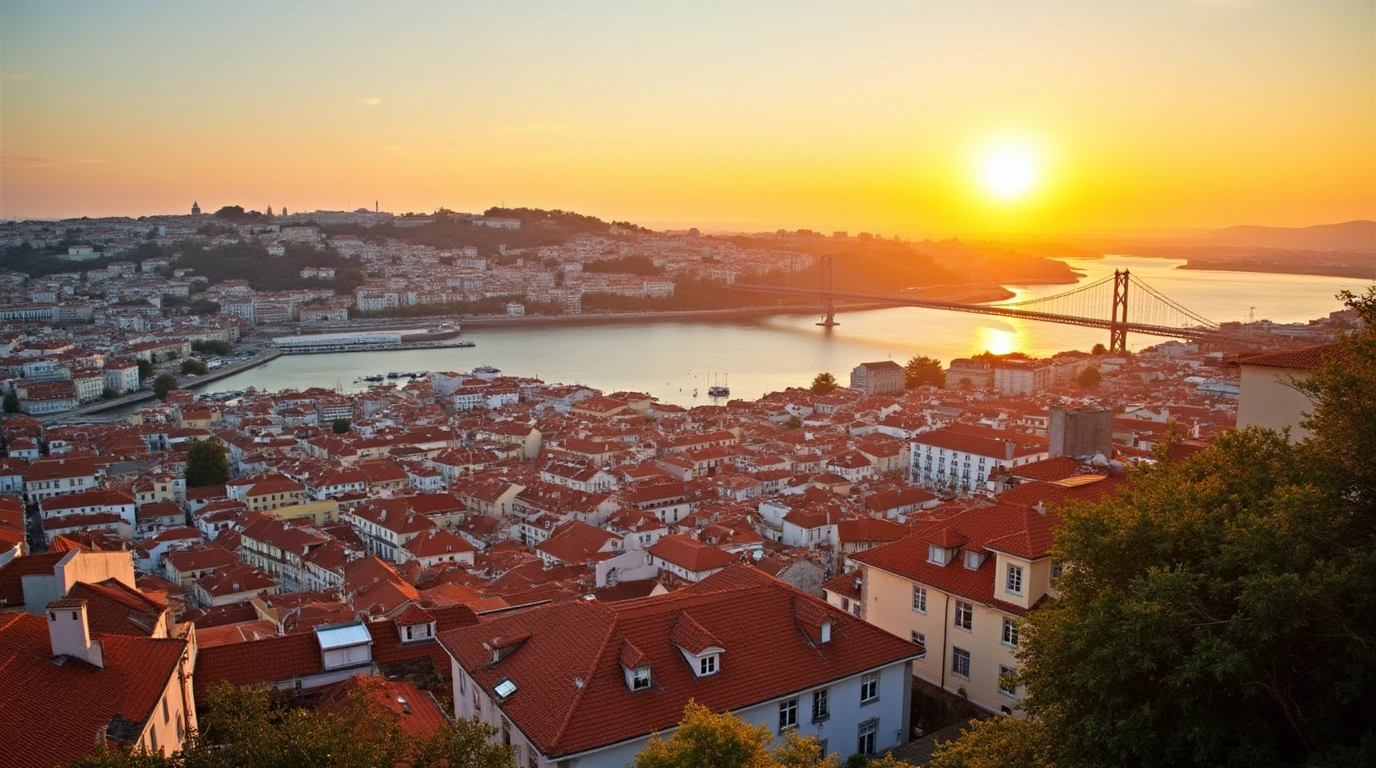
<point x="828" y="280"/>
<point x="1118" y="330"/>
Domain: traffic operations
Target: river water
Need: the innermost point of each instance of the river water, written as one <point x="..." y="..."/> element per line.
<point x="671" y="359"/>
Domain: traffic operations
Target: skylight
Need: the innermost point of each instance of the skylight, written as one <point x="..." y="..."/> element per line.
<point x="505" y="688"/>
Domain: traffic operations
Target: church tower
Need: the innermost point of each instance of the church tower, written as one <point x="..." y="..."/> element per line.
<point x="195" y="209"/>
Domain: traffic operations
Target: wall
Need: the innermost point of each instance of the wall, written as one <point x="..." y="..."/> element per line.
<point x="888" y="605"/>
<point x="1269" y="400"/>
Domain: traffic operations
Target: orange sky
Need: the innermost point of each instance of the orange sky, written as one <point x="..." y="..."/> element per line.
<point x="1143" y="114"/>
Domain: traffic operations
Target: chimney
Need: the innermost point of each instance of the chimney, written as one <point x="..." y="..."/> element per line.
<point x="70" y="632"/>
<point x="1008" y="450"/>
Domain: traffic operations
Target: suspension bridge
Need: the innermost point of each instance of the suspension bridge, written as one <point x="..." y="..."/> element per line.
<point x="1103" y="303"/>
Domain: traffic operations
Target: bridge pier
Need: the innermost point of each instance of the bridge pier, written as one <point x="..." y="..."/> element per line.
<point x="828" y="280"/>
<point x="1118" y="326"/>
<point x="829" y="321"/>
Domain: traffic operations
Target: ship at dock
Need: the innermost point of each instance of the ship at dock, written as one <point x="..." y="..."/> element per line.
<point x="442" y="337"/>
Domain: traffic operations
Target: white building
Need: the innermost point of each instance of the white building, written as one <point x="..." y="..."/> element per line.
<point x="961" y="457"/>
<point x="740" y="642"/>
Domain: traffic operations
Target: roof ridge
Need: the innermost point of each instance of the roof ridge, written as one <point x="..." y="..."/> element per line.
<point x="582" y="690"/>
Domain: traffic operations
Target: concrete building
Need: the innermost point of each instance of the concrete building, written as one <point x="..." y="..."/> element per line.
<point x="877" y="378"/>
<point x="1081" y="432"/>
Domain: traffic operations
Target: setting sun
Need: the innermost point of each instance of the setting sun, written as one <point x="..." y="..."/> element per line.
<point x="1009" y="170"/>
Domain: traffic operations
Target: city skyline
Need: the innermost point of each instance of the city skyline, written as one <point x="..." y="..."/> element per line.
<point x="915" y="119"/>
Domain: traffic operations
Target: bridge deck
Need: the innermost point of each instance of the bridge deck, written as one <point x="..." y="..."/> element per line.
<point x="1184" y="332"/>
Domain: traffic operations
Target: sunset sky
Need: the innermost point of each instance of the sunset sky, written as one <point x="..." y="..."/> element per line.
<point x="925" y="118"/>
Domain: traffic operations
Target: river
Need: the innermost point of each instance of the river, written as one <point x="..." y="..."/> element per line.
<point x="671" y="359"/>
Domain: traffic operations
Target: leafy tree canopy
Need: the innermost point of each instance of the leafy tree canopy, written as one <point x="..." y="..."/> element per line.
<point x="922" y="370"/>
<point x="260" y="728"/>
<point x="824" y="383"/>
<point x="163" y="384"/>
<point x="193" y="367"/>
<point x="206" y="464"/>
<point x="725" y="741"/>
<point x="1089" y="378"/>
<point x="340" y="426"/>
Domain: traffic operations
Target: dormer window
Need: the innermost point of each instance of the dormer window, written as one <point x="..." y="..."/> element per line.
<point x="707" y="665"/>
<point x="973" y="560"/>
<point x="938" y="555"/>
<point x="640" y="678"/>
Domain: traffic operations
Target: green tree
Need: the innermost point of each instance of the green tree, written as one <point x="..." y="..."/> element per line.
<point x="1219" y="610"/>
<point x="824" y="383"/>
<point x="922" y="370"/>
<point x="11" y="403"/>
<point x="193" y="367"/>
<point x="1089" y="378"/>
<point x="145" y="370"/>
<point x="725" y="741"/>
<point x="213" y="347"/>
<point x="109" y="393"/>
<point x="1099" y="349"/>
<point x="340" y="426"/>
<point x="206" y="464"/>
<point x="261" y="728"/>
<point x="163" y="384"/>
<point x="204" y="307"/>
<point x="995" y="743"/>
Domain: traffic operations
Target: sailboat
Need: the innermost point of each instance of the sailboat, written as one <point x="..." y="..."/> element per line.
<point x="720" y="390"/>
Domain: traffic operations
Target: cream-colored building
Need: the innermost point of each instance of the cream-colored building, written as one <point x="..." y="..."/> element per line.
<point x="960" y="588"/>
<point x="1268" y="397"/>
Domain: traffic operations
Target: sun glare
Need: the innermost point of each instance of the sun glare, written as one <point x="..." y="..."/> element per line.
<point x="1008" y="170"/>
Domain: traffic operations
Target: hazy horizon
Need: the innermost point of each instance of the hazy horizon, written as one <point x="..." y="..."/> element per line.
<point x="981" y="120"/>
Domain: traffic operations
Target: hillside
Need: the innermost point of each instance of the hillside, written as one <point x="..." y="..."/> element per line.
<point x="1348" y="236"/>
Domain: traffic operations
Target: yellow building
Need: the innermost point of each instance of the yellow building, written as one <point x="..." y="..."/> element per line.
<point x="961" y="587"/>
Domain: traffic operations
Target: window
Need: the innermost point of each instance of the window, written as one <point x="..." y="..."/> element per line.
<point x="166" y="714"/>
<point x="920" y="599"/>
<point x="463" y="684"/>
<point x="822" y="747"/>
<point x="960" y="662"/>
<point x="821" y="705"/>
<point x="532" y="759"/>
<point x="788" y="714"/>
<point x="919" y="639"/>
<point x="1015" y="579"/>
<point x="181" y="728"/>
<point x="868" y="729"/>
<point x="477" y="702"/>
<point x="1056" y="570"/>
<point x="1008" y="684"/>
<point x="1010" y="632"/>
<point x="869" y="687"/>
<point x="408" y="633"/>
<point x="152" y="739"/>
<point x="965" y="614"/>
<point x="640" y="678"/>
<point x="707" y="665"/>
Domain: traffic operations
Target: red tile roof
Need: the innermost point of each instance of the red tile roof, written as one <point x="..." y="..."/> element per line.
<point x="258" y="661"/>
<point x="690" y="554"/>
<point x="411" y="707"/>
<point x="53" y="713"/>
<point x="1308" y="359"/>
<point x="571" y="692"/>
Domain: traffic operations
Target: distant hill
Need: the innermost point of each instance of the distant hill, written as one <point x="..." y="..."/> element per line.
<point x="1347" y="236"/>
